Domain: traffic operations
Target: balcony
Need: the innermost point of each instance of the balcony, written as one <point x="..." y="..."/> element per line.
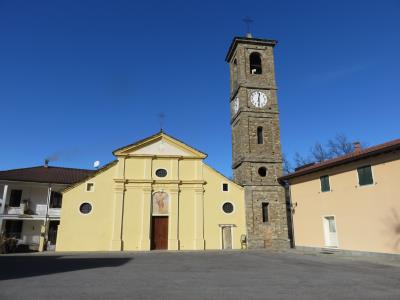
<point x="38" y="210"/>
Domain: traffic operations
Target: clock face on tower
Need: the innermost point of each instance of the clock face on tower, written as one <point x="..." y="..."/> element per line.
<point x="258" y="99"/>
<point x="236" y="105"/>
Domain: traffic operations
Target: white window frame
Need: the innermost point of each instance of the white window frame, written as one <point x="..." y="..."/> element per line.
<point x="79" y="208"/>
<point x="234" y="208"/>
<point x="324" y="228"/>
<point x="358" y="179"/>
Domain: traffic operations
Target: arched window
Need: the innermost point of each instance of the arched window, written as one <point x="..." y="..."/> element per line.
<point x="260" y="135"/>
<point x="255" y="63"/>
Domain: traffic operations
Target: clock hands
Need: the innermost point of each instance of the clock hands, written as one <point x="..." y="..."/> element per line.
<point x="258" y="99"/>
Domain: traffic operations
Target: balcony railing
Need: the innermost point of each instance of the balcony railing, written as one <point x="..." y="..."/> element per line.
<point x="36" y="210"/>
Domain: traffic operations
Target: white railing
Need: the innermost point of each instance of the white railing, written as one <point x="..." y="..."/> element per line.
<point x="54" y="212"/>
<point x="15" y="210"/>
<point x="38" y="210"/>
<point x="41" y="210"/>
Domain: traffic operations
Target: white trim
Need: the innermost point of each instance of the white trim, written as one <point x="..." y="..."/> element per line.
<point x="324" y="220"/>
<point x="166" y="175"/>
<point x="79" y="208"/>
<point x="320" y="184"/>
<point x="221" y="226"/>
<point x="358" y="177"/>
<point x="86" y="187"/>
<point x="222" y="187"/>
<point x="233" y="205"/>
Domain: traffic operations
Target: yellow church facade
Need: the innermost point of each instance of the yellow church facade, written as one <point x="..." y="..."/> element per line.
<point x="157" y="194"/>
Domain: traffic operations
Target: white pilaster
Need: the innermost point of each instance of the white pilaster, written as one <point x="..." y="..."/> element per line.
<point x="3" y="199"/>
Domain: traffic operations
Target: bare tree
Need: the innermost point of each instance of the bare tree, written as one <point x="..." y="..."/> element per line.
<point x="286" y="165"/>
<point x="335" y="147"/>
<point x="320" y="153"/>
<point x="340" y="145"/>
<point x="300" y="160"/>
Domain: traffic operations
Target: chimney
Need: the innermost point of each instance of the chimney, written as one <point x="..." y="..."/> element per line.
<point x="46" y="163"/>
<point x="357" y="146"/>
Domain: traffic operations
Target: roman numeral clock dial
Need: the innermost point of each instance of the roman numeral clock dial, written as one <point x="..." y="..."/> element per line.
<point x="258" y="99"/>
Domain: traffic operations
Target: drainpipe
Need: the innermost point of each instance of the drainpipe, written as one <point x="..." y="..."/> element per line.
<point x="45" y="238"/>
<point x="291" y="213"/>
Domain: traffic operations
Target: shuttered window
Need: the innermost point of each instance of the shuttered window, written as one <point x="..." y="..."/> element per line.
<point x="365" y="175"/>
<point x="325" y="186"/>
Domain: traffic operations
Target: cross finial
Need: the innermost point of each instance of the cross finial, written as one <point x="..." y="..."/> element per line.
<point x="248" y="21"/>
<point x="161" y="117"/>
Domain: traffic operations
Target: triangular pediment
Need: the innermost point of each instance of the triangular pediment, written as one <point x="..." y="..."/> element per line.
<point x="160" y="144"/>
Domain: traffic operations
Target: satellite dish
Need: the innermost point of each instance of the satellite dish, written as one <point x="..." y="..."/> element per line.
<point x="96" y="164"/>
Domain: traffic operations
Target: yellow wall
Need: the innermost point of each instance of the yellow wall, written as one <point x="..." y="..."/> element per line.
<point x="92" y="231"/>
<point x="123" y="194"/>
<point x="214" y="199"/>
<point x="367" y="217"/>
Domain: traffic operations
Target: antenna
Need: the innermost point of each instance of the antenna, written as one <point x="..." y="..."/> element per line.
<point x="96" y="164"/>
<point x="248" y="21"/>
<point x="161" y="117"/>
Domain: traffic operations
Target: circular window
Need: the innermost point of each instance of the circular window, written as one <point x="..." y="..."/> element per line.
<point x="161" y="173"/>
<point x="227" y="207"/>
<point x="85" y="208"/>
<point x="262" y="171"/>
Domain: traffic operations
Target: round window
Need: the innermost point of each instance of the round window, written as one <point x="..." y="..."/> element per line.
<point x="161" y="173"/>
<point x="262" y="171"/>
<point x="227" y="207"/>
<point x="85" y="208"/>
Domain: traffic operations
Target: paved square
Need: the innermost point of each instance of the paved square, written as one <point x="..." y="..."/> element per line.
<point x="196" y="275"/>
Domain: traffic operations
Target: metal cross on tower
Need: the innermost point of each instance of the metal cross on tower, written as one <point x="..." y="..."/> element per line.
<point x="248" y="21"/>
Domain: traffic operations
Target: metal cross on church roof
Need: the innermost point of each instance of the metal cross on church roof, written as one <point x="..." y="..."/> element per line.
<point x="161" y="117"/>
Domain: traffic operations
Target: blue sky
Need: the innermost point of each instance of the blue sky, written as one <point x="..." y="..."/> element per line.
<point x="79" y="79"/>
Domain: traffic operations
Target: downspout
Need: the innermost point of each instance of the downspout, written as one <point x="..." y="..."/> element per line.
<point x="291" y="213"/>
<point x="46" y="217"/>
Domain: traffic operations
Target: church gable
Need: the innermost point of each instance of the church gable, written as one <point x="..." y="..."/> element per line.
<point x="160" y="144"/>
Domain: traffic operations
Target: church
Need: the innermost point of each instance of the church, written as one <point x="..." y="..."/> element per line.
<point x="159" y="193"/>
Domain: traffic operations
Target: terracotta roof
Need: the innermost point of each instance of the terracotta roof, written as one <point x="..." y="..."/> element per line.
<point x="46" y="174"/>
<point x="356" y="155"/>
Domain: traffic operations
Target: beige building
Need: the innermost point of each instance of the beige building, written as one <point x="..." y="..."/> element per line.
<point x="350" y="203"/>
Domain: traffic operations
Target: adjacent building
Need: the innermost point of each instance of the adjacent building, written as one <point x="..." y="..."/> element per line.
<point x="350" y="202"/>
<point x="30" y="205"/>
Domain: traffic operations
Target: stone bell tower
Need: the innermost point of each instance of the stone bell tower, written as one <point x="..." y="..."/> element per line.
<point x="256" y="148"/>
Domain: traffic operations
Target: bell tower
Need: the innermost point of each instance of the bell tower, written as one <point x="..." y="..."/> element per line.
<point x="256" y="148"/>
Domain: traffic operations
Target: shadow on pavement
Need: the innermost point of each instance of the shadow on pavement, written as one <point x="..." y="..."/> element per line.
<point x="13" y="267"/>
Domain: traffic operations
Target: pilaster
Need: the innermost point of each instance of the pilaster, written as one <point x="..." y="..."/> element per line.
<point x="199" y="219"/>
<point x="116" y="240"/>
<point x="3" y="199"/>
<point x="146" y="217"/>
<point x="173" y="226"/>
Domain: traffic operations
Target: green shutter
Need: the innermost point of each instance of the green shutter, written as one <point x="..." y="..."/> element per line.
<point x="365" y="175"/>
<point x="325" y="186"/>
